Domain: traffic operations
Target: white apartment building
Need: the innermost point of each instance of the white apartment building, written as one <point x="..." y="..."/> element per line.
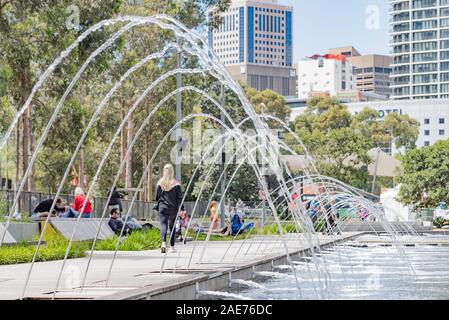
<point x="330" y="74"/>
<point x="432" y="114"/>
<point x="420" y="49"/>
<point x="255" y="42"/>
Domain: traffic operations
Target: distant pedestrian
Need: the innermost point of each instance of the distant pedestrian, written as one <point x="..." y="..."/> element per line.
<point x="115" y="201"/>
<point x="168" y="204"/>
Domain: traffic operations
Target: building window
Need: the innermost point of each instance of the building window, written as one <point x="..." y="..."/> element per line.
<point x="426" y="121"/>
<point x="427" y="132"/>
<point x="441" y="132"/>
<point x="426" y="143"/>
<point x="441" y="120"/>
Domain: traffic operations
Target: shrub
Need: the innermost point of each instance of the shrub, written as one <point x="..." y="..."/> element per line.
<point x="320" y="225"/>
<point x="438" y="222"/>
<point x="273" y="228"/>
<point x="137" y="241"/>
<point x="54" y="249"/>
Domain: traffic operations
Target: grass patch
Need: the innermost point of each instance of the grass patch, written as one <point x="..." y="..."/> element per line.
<point x="270" y="229"/>
<point x="137" y="241"/>
<point x="202" y="236"/>
<point x="148" y="239"/>
<point x="54" y="249"/>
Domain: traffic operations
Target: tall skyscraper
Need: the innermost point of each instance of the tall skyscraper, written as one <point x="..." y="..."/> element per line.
<point x="255" y="42"/>
<point x="420" y="49"/>
<point x="372" y="70"/>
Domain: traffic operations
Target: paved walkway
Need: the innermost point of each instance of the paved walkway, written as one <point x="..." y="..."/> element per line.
<point x="136" y="270"/>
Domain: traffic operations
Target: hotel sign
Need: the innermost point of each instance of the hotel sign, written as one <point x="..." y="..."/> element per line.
<point x="384" y="112"/>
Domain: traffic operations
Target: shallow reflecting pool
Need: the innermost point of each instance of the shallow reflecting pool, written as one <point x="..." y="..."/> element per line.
<point x="361" y="269"/>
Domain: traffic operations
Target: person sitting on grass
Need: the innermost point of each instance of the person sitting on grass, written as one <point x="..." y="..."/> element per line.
<point x="238" y="225"/>
<point x="182" y="223"/>
<point x="215" y="220"/>
<point x="116" y="224"/>
<point x="82" y="203"/>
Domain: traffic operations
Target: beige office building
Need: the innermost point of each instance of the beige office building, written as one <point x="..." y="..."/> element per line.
<point x="372" y="71"/>
<point x="255" y="42"/>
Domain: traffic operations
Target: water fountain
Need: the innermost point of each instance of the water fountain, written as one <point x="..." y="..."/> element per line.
<point x="314" y="273"/>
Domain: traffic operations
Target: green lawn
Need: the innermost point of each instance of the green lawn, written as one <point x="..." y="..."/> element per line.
<point x="136" y="241"/>
<point x="54" y="249"/>
<point x="55" y="245"/>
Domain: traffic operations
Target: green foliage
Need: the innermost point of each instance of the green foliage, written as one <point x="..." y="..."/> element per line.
<point x="54" y="249"/>
<point x="271" y="229"/>
<point x="425" y="179"/>
<point x="137" y="241"/>
<point x="32" y="35"/>
<point x="339" y="141"/>
<point x="438" y="222"/>
<point x="268" y="102"/>
<point x="3" y="204"/>
<point x="320" y="225"/>
<point x="245" y="184"/>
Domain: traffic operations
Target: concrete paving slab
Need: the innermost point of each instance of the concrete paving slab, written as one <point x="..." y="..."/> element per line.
<point x="141" y="271"/>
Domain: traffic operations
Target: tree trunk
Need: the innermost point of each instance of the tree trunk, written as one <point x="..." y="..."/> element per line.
<point x="26" y="135"/>
<point x="81" y="169"/>
<point x="122" y="144"/>
<point x="129" y="169"/>
<point x="144" y="165"/>
<point x="150" y="184"/>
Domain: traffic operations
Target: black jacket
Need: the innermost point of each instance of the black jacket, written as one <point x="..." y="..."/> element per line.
<point x="115" y="198"/>
<point x="117" y="225"/>
<point x="169" y="201"/>
<point x="45" y="206"/>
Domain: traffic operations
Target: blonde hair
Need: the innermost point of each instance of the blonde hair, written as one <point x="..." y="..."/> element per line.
<point x="79" y="191"/>
<point x="166" y="182"/>
<point x="213" y="208"/>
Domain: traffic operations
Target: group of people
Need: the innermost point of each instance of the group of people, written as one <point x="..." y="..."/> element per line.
<point x="236" y="224"/>
<point x="172" y="216"/>
<point x="317" y="207"/>
<point x="80" y="206"/>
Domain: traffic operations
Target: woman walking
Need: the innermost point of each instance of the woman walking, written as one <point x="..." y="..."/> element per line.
<point x="168" y="202"/>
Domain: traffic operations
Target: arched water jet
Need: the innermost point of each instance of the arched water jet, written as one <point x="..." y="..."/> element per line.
<point x="215" y="69"/>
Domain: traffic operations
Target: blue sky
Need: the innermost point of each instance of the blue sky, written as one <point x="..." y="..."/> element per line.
<point x="323" y="24"/>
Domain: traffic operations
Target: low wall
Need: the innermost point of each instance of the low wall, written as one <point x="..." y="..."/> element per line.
<point x="23" y="231"/>
<point x="377" y="227"/>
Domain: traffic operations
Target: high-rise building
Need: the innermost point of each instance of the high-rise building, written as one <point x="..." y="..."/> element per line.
<point x="420" y="49"/>
<point x="325" y="75"/>
<point x="255" y="42"/>
<point x="372" y="71"/>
